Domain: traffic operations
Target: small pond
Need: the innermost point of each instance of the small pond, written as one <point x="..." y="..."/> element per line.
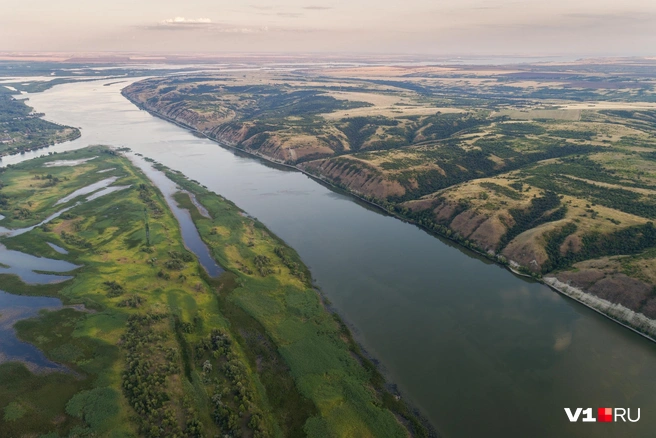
<point x="57" y="248"/>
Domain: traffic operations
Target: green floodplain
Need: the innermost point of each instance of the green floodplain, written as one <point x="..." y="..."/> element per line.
<point x="160" y="349"/>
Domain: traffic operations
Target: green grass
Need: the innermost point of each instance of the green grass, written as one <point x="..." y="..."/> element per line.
<point x="88" y="342"/>
<point x="292" y="408"/>
<point x="302" y="371"/>
<point x="42" y="398"/>
<point x="322" y="358"/>
<point x="31" y="190"/>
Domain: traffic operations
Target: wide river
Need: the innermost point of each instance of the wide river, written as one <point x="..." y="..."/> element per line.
<point x="479" y="351"/>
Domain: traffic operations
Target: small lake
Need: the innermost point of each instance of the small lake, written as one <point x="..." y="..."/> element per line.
<point x="106" y="191"/>
<point x="14" y="308"/>
<point x="65" y="163"/>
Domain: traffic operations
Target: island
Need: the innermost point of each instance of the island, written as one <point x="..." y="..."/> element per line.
<point x="148" y="341"/>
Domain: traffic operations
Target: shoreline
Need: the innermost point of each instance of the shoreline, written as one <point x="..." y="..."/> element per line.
<point x="359" y="351"/>
<point x="572" y="292"/>
<point x="38" y="148"/>
<point x="494" y="258"/>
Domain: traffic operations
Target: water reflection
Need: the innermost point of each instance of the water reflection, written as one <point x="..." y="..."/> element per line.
<point x="106" y="191"/>
<point x="63" y="163"/>
<point x="9" y="232"/>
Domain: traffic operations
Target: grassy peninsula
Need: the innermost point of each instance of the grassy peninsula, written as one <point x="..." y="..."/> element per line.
<point x="160" y="349"/>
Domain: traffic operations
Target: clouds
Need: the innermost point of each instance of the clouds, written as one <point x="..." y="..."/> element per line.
<point x="186" y="21"/>
<point x="204" y="25"/>
<point x="289" y="14"/>
<point x="579" y="24"/>
<point x="362" y="26"/>
<point x="180" y="23"/>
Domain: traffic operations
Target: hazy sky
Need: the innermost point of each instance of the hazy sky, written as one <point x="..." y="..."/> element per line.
<point x="532" y="27"/>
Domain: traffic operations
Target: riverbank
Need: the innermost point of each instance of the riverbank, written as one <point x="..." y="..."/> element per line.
<point x="294" y="277"/>
<point x="440" y="231"/>
<point x="28" y="131"/>
<point x="633" y="321"/>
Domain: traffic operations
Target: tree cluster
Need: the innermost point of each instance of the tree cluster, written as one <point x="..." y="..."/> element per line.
<point x="234" y="408"/>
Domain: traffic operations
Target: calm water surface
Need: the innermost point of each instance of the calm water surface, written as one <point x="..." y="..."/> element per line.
<point x="28" y="267"/>
<point x="188" y="230"/>
<point x="59" y="249"/>
<point x="14" y="308"/>
<point x="479" y="351"/>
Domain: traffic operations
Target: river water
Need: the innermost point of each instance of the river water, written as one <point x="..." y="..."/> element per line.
<point x="478" y="350"/>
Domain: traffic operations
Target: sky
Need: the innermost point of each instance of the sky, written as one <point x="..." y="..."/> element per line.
<point x="436" y="27"/>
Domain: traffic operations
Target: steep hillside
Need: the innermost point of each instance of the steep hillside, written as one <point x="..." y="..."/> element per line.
<point x="539" y="174"/>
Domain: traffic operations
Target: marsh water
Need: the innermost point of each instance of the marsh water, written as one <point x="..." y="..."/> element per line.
<point x="97" y="190"/>
<point x="479" y="351"/>
<point x="27" y="267"/>
<point x="14" y="308"/>
<point x="88" y="189"/>
<point x="58" y="249"/>
<point x="190" y="235"/>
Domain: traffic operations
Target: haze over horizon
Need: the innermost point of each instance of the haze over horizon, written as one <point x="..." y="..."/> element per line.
<point x="501" y="27"/>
